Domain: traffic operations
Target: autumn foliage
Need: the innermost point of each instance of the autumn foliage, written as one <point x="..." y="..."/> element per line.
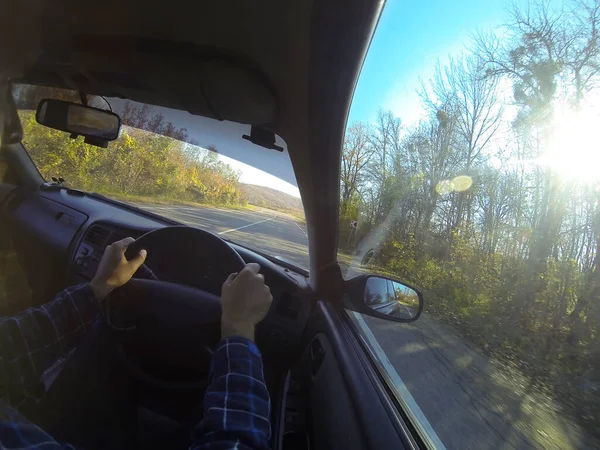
<point x="138" y="163"/>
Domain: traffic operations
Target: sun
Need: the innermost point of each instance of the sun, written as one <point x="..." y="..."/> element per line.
<point x="574" y="146"/>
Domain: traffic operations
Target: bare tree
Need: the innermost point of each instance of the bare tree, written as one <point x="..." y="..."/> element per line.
<point x="472" y="101"/>
<point x="583" y="58"/>
<point x="385" y="140"/>
<point x="356" y="155"/>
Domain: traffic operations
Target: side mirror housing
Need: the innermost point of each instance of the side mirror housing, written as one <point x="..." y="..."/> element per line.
<point x="382" y="297"/>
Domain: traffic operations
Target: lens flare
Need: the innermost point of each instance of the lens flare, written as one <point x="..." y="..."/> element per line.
<point x="574" y="146"/>
<point x="460" y="183"/>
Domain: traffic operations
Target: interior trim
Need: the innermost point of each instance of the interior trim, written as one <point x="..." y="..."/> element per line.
<point x="383" y="382"/>
<point x="362" y="385"/>
<point x="25" y="170"/>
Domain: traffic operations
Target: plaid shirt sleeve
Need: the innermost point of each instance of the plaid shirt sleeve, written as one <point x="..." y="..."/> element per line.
<point x="16" y="432"/>
<point x="34" y="340"/>
<point x="236" y="404"/>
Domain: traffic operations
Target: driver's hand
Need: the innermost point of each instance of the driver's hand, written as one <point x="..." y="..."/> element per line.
<point x="245" y="299"/>
<point x="114" y="270"/>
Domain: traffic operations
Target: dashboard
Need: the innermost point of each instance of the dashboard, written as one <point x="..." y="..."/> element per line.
<point x="60" y="236"/>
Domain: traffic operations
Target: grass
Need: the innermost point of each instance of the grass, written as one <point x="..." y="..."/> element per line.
<point x="294" y="213"/>
<point x="169" y="201"/>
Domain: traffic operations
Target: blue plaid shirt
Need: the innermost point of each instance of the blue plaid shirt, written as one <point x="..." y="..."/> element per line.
<point x="34" y="344"/>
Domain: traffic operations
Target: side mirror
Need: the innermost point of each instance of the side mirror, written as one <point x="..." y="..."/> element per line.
<point x="382" y="297"/>
<point x="98" y="126"/>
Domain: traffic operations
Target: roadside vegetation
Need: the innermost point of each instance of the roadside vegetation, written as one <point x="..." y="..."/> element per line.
<point x="275" y="200"/>
<point x="150" y="159"/>
<point x="491" y="203"/>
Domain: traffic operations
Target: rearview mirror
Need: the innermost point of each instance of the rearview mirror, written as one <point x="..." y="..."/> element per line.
<point x="383" y="297"/>
<point x="97" y="125"/>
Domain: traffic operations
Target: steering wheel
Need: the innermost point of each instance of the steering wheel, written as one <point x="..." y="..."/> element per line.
<point x="170" y="328"/>
<point x="188" y="256"/>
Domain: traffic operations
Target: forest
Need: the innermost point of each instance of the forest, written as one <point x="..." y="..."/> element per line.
<point x="490" y="203"/>
<point x="151" y="159"/>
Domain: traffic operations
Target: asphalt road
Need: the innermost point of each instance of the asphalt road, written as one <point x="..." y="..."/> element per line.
<point x="465" y="400"/>
<point x="469" y="400"/>
<point x="276" y="234"/>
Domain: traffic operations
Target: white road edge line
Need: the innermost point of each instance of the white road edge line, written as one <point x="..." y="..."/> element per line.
<point x="246" y="226"/>
<point x="405" y="395"/>
<point x="296" y="223"/>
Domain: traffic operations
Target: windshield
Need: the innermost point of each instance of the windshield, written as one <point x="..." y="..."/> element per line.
<point x="192" y="169"/>
<point x="471" y="169"/>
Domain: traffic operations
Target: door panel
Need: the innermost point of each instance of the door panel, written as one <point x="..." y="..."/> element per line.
<point x="317" y="410"/>
<point x="348" y="406"/>
<point x="335" y="423"/>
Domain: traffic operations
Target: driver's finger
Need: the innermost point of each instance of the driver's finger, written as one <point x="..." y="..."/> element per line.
<point x="138" y="259"/>
<point x="230" y="278"/>
<point x="251" y="267"/>
<point x="123" y="244"/>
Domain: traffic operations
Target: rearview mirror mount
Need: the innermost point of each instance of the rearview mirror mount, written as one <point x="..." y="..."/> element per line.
<point x="383" y="297"/>
<point x="98" y="126"/>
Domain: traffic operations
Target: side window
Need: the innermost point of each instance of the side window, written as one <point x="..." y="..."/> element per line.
<point x="470" y="169"/>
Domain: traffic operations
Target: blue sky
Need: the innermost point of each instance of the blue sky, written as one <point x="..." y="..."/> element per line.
<point x="410" y="36"/>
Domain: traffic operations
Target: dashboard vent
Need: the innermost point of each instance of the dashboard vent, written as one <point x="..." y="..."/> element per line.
<point x="97" y="236"/>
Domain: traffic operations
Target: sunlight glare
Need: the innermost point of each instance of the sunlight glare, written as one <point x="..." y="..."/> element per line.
<point x="574" y="151"/>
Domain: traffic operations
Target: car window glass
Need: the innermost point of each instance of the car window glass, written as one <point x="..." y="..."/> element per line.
<point x="470" y="170"/>
<point x="196" y="170"/>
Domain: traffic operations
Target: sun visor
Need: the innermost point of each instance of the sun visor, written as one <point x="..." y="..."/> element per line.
<point x="201" y="80"/>
<point x="223" y="137"/>
<point x="236" y="93"/>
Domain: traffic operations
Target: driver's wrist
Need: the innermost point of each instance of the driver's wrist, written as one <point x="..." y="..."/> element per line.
<point x="100" y="289"/>
<point x="231" y="329"/>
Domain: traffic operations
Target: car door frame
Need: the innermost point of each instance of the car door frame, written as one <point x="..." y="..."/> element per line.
<point x="384" y="423"/>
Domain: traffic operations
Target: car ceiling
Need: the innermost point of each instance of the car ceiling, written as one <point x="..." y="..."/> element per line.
<point x="298" y="62"/>
<point x="154" y="53"/>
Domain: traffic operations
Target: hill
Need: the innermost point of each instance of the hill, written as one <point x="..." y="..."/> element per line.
<point x="272" y="199"/>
